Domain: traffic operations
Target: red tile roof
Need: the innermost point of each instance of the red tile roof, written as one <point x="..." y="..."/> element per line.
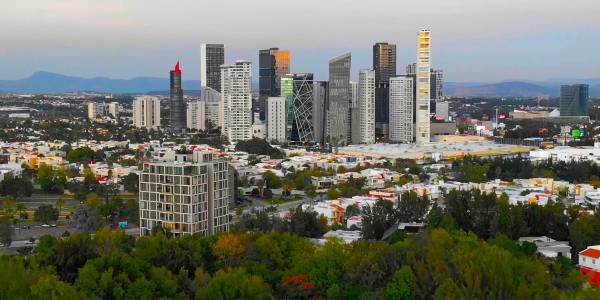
<point x="590" y="252"/>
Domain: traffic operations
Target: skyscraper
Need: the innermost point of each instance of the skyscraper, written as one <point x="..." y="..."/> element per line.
<point x="338" y="114"/>
<point x="212" y="56"/>
<point x="423" y="77"/>
<point x="196" y="115"/>
<point x="237" y="101"/>
<point x="113" y="109"/>
<point x="176" y="105"/>
<point x="320" y="107"/>
<point x="186" y="196"/>
<point x="363" y="111"/>
<point x="574" y="100"/>
<point x="437" y="85"/>
<point x="273" y="65"/>
<point x="401" y="109"/>
<point x="212" y="102"/>
<point x="146" y="112"/>
<point x="384" y="65"/>
<point x="411" y="69"/>
<point x="276" y="119"/>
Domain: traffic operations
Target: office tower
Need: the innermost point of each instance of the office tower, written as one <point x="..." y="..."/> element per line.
<point x="297" y="89"/>
<point x="91" y="111"/>
<point x="196" y="115"/>
<point x="212" y="56"/>
<point x="237" y="101"/>
<point x="287" y="92"/>
<point x="423" y="77"/>
<point x="319" y="111"/>
<point x="212" y="103"/>
<point x="574" y="100"/>
<point x="338" y="115"/>
<point x="411" y="69"/>
<point x="186" y="196"/>
<point x="437" y="85"/>
<point x="441" y="110"/>
<point x="113" y="109"/>
<point x="273" y="65"/>
<point x="146" y="112"/>
<point x="401" y="109"/>
<point x="276" y="119"/>
<point x="176" y="104"/>
<point x="363" y="111"/>
<point x="384" y="65"/>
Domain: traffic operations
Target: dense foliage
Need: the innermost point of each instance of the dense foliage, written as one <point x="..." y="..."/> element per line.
<point x="438" y="264"/>
<point x="259" y="147"/>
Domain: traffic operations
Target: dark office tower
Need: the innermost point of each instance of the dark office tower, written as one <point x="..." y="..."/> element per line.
<point x="320" y="107"/>
<point x="437" y="85"/>
<point x="273" y="64"/>
<point x="411" y="69"/>
<point x="340" y="97"/>
<point x="212" y="56"/>
<point x="297" y="89"/>
<point x="574" y="100"/>
<point x="384" y="65"/>
<point x="177" y="109"/>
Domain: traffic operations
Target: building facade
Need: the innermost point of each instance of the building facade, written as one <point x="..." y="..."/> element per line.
<point x="340" y="98"/>
<point x="423" y="77"/>
<point x="237" y="101"/>
<point x="146" y="112"/>
<point x="363" y="110"/>
<point x="273" y="65"/>
<point x="196" y="115"/>
<point x="320" y="107"/>
<point x="276" y="119"/>
<point x="212" y="56"/>
<point x="186" y="196"/>
<point x="384" y="65"/>
<point x="574" y="100"/>
<point x="176" y="104"/>
<point x="212" y="105"/>
<point x="437" y="85"/>
<point x="113" y="110"/>
<point x="401" y="109"/>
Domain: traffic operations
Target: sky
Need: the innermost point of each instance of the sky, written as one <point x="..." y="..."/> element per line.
<point x="472" y="40"/>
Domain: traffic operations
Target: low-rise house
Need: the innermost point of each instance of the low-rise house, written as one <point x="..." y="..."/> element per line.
<point x="589" y="263"/>
<point x="549" y="247"/>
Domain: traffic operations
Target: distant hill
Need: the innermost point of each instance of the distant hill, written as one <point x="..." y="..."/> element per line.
<point x="516" y="88"/>
<point x="47" y="82"/>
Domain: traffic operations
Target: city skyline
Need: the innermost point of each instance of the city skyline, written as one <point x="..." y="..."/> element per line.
<point x="531" y="46"/>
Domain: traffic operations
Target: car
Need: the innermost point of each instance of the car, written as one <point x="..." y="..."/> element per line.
<point x="45" y="225"/>
<point x="52" y="225"/>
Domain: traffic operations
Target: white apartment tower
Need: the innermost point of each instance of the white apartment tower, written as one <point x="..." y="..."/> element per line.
<point x="146" y="112"/>
<point x="113" y="109"/>
<point x="423" y="76"/>
<point x="196" y="115"/>
<point x="237" y="101"/>
<point x="401" y="97"/>
<point x="92" y="110"/>
<point x="276" y="119"/>
<point x="186" y="196"/>
<point x="363" y="110"/>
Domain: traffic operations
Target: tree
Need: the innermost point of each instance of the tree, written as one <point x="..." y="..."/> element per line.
<point x="378" y="218"/>
<point x="228" y="249"/>
<point x="51" y="180"/>
<point x="412" y="208"/>
<point x="235" y="284"/>
<point x="310" y="191"/>
<point x="402" y="285"/>
<point x="258" y="147"/>
<point x="7" y="232"/>
<point x="16" y="187"/>
<point x="86" y="218"/>
<point x="333" y="193"/>
<point x="46" y="213"/>
<point x="60" y="201"/>
<point x="131" y="182"/>
<point x="272" y="181"/>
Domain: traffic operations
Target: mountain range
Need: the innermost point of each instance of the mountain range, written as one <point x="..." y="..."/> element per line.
<point x="48" y="82"/>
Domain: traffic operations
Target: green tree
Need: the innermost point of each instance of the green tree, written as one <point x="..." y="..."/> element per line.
<point x="7" y="232"/>
<point x="46" y="213"/>
<point x="401" y="286"/>
<point x="235" y="284"/>
<point x="131" y="182"/>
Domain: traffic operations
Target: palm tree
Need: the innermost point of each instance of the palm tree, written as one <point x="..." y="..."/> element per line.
<point x="59" y="204"/>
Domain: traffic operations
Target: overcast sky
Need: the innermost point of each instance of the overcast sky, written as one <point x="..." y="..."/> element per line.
<point x="472" y="40"/>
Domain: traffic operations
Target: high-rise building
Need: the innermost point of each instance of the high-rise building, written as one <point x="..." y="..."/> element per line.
<point x="423" y="77"/>
<point x="212" y="105"/>
<point x="441" y="110"/>
<point x="276" y="119"/>
<point x="92" y="110"/>
<point x="363" y="110"/>
<point x="401" y="128"/>
<point x="237" y="101"/>
<point x="384" y="65"/>
<point x="146" y="112"/>
<point x="340" y="97"/>
<point x="186" y="196"/>
<point x="273" y="65"/>
<point x="176" y="103"/>
<point x="196" y="115"/>
<point x="411" y="69"/>
<point x="574" y="100"/>
<point x="320" y="107"/>
<point x="212" y="56"/>
<point x="113" y="109"/>
<point x="298" y="91"/>
<point x="437" y="85"/>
